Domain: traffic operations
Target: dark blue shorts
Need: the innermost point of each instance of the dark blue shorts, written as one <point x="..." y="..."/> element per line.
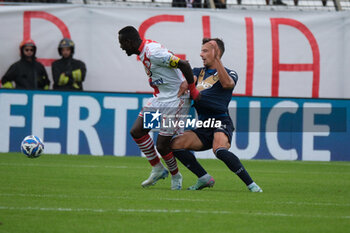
<point x="206" y="135"/>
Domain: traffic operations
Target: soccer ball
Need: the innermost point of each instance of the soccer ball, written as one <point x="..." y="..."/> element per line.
<point x="32" y="146"/>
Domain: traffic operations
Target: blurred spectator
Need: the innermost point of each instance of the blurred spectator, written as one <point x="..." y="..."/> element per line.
<point x="274" y="2"/>
<point x="279" y="3"/>
<point x="27" y="73"/>
<point x="187" y="3"/>
<point x="68" y="73"/>
<point x="197" y="3"/>
<point x="37" y="1"/>
<point x="179" y="3"/>
<point x="218" y="4"/>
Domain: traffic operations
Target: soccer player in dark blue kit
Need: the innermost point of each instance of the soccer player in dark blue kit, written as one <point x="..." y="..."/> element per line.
<point x="216" y="84"/>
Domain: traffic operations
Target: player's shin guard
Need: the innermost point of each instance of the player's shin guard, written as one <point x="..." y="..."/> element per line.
<point x="234" y="164"/>
<point x="188" y="159"/>
<point x="146" y="145"/>
<point x="170" y="161"/>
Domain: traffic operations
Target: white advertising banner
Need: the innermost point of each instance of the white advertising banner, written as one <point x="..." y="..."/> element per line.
<point x="275" y="53"/>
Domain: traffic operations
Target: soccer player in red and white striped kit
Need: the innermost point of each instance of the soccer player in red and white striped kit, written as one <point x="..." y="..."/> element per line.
<point x="166" y="74"/>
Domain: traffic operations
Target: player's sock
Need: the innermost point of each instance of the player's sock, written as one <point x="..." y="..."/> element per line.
<point x="188" y="159"/>
<point x="170" y="161"/>
<point x="234" y="164"/>
<point x="146" y="145"/>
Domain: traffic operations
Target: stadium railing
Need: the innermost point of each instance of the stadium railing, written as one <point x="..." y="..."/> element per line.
<point x="328" y="5"/>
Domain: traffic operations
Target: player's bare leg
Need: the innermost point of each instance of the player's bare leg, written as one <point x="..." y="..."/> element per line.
<point x="189" y="141"/>
<point x="164" y="149"/>
<point x="146" y="145"/>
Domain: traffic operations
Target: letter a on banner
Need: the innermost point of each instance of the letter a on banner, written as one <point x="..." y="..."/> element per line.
<point x="277" y="66"/>
<point x="28" y="15"/>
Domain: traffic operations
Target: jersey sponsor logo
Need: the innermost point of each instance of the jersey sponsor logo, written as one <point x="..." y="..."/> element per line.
<point x="203" y="85"/>
<point x="156" y="82"/>
<point x="207" y="83"/>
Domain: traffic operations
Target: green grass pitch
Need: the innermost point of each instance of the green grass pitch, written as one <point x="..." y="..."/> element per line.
<point x="89" y="194"/>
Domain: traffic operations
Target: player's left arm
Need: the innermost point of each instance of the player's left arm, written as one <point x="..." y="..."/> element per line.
<point x="224" y="78"/>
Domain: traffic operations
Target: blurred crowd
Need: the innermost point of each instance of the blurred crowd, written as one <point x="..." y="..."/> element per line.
<point x="220" y="4"/>
<point x="38" y="1"/>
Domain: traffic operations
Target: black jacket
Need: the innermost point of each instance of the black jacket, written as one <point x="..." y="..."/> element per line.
<point x="27" y="75"/>
<point x="67" y="66"/>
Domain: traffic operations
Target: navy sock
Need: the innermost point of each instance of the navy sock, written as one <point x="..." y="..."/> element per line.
<point x="189" y="160"/>
<point x="234" y="164"/>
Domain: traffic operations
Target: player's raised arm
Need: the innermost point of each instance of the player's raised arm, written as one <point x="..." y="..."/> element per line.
<point x="224" y="78"/>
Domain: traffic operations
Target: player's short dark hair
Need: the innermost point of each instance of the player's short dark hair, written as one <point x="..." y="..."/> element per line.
<point x="129" y="33"/>
<point x="220" y="43"/>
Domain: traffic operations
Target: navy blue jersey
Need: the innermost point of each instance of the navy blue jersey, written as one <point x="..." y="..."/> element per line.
<point x="214" y="98"/>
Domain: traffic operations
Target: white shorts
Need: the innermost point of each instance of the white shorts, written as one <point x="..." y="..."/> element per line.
<point x="171" y="112"/>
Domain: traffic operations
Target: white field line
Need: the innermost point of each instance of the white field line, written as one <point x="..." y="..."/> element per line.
<point x="166" y="199"/>
<point x="59" y="209"/>
<point x="97" y="197"/>
<point x="170" y="211"/>
<point x="301" y="162"/>
<point x="58" y="165"/>
<point x="128" y="167"/>
<point x="264" y="202"/>
<point x="301" y="172"/>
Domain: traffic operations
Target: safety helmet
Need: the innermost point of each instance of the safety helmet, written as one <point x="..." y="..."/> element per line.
<point x="65" y="43"/>
<point x="27" y="42"/>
